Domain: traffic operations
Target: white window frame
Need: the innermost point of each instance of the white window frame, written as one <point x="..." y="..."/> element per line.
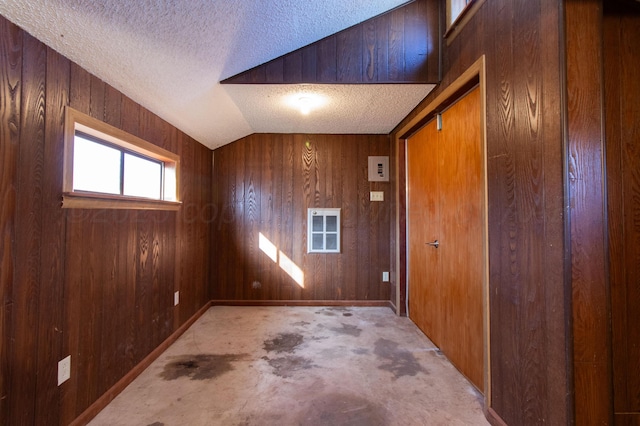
<point x="76" y="121"/>
<point x="324" y="212"/>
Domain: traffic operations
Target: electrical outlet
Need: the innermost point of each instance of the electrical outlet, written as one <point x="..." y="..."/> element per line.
<point x="376" y="196"/>
<point x="64" y="370"/>
<point x="385" y="277"/>
<point x="176" y="298"/>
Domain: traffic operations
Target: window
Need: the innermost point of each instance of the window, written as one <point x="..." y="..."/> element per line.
<point x="323" y="231"/>
<point x="106" y="167"/>
<point x="454" y="10"/>
<point x="458" y="13"/>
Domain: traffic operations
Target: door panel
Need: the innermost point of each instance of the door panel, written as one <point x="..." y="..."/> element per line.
<point x="446" y="203"/>
<point x="423" y="220"/>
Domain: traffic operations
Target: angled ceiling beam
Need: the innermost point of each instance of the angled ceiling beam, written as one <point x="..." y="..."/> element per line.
<point x="400" y="46"/>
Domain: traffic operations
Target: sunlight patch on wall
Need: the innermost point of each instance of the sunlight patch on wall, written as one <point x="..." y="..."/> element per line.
<point x="285" y="263"/>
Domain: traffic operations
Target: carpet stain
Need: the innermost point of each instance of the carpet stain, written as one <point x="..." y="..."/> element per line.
<point x="347" y="314"/>
<point x="342" y="409"/>
<point x="397" y="361"/>
<point x="347" y="329"/>
<point x="360" y="351"/>
<point x="301" y="323"/>
<point x="284" y="342"/>
<point x="200" y="367"/>
<point x="287" y="365"/>
<point x="156" y="424"/>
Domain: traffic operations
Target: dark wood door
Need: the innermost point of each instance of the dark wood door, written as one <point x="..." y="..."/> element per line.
<point x="445" y="203"/>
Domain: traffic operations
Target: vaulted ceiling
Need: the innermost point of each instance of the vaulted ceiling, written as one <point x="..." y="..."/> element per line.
<point x="367" y="63"/>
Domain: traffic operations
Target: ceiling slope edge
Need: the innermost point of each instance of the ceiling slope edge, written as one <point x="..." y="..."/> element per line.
<point x="399" y="46"/>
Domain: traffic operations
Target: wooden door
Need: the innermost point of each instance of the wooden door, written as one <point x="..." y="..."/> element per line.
<point x="445" y="203"/>
<point x="424" y="219"/>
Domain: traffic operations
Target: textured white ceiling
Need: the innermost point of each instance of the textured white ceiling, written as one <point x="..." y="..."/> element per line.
<point x="170" y="56"/>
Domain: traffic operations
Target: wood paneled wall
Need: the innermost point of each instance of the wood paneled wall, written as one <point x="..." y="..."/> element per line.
<point x="94" y="284"/>
<point x="621" y="26"/>
<point x="529" y="293"/>
<point x="400" y="46"/>
<point x="264" y="183"/>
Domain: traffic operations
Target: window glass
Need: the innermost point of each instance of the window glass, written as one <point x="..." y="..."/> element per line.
<point x="142" y="177"/>
<point x="332" y="241"/>
<point x="318" y="224"/>
<point x="317" y="242"/>
<point x="96" y="167"/>
<point x="332" y="223"/>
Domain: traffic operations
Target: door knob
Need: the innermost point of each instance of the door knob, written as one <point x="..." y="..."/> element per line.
<point x="434" y="244"/>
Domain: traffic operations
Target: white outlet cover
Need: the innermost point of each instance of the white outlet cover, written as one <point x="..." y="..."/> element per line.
<point x="64" y="370"/>
<point x="176" y="298"/>
<point x="376" y="196"/>
<point x="385" y="277"/>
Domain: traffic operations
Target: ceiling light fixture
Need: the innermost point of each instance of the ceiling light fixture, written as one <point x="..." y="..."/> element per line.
<point x="305" y="103"/>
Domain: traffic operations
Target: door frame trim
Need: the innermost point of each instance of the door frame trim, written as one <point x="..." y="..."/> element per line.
<point x="474" y="75"/>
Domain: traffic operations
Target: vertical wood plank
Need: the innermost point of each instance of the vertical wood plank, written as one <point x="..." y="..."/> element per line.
<point x="327" y="60"/>
<point x="288" y="219"/>
<point x="530" y="210"/>
<point x="239" y="206"/>
<point x="275" y="71"/>
<point x="396" y="46"/>
<point x="586" y="156"/>
<point x="130" y="119"/>
<point x="349" y="55"/>
<point x="433" y="40"/>
<point x="79" y="97"/>
<point x="363" y="277"/>
<point x="369" y="52"/>
<point x="382" y="26"/>
<point x="10" y="107"/>
<point x="622" y="138"/>
<point x="349" y="215"/>
<point x="293" y="67"/>
<point x="28" y="232"/>
<point x="416" y="36"/>
<point x="51" y="304"/>
<point x="310" y="64"/>
<point x="557" y="332"/>
<point x="111" y="271"/>
<point x="267" y="213"/>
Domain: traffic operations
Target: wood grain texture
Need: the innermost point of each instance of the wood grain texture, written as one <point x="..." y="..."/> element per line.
<point x="53" y="226"/>
<point x="400" y="46"/>
<point x="445" y="185"/>
<point x="620" y="30"/>
<point x="426" y="293"/>
<point x="29" y="183"/>
<point x="302" y="171"/>
<point x="591" y="333"/>
<point x="527" y="268"/>
<point x="10" y="104"/>
<point x="94" y="284"/>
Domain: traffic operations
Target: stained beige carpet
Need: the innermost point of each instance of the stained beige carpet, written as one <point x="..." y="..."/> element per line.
<point x="298" y="366"/>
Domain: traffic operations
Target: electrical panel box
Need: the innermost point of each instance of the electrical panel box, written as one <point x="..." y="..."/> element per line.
<point x="378" y="169"/>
